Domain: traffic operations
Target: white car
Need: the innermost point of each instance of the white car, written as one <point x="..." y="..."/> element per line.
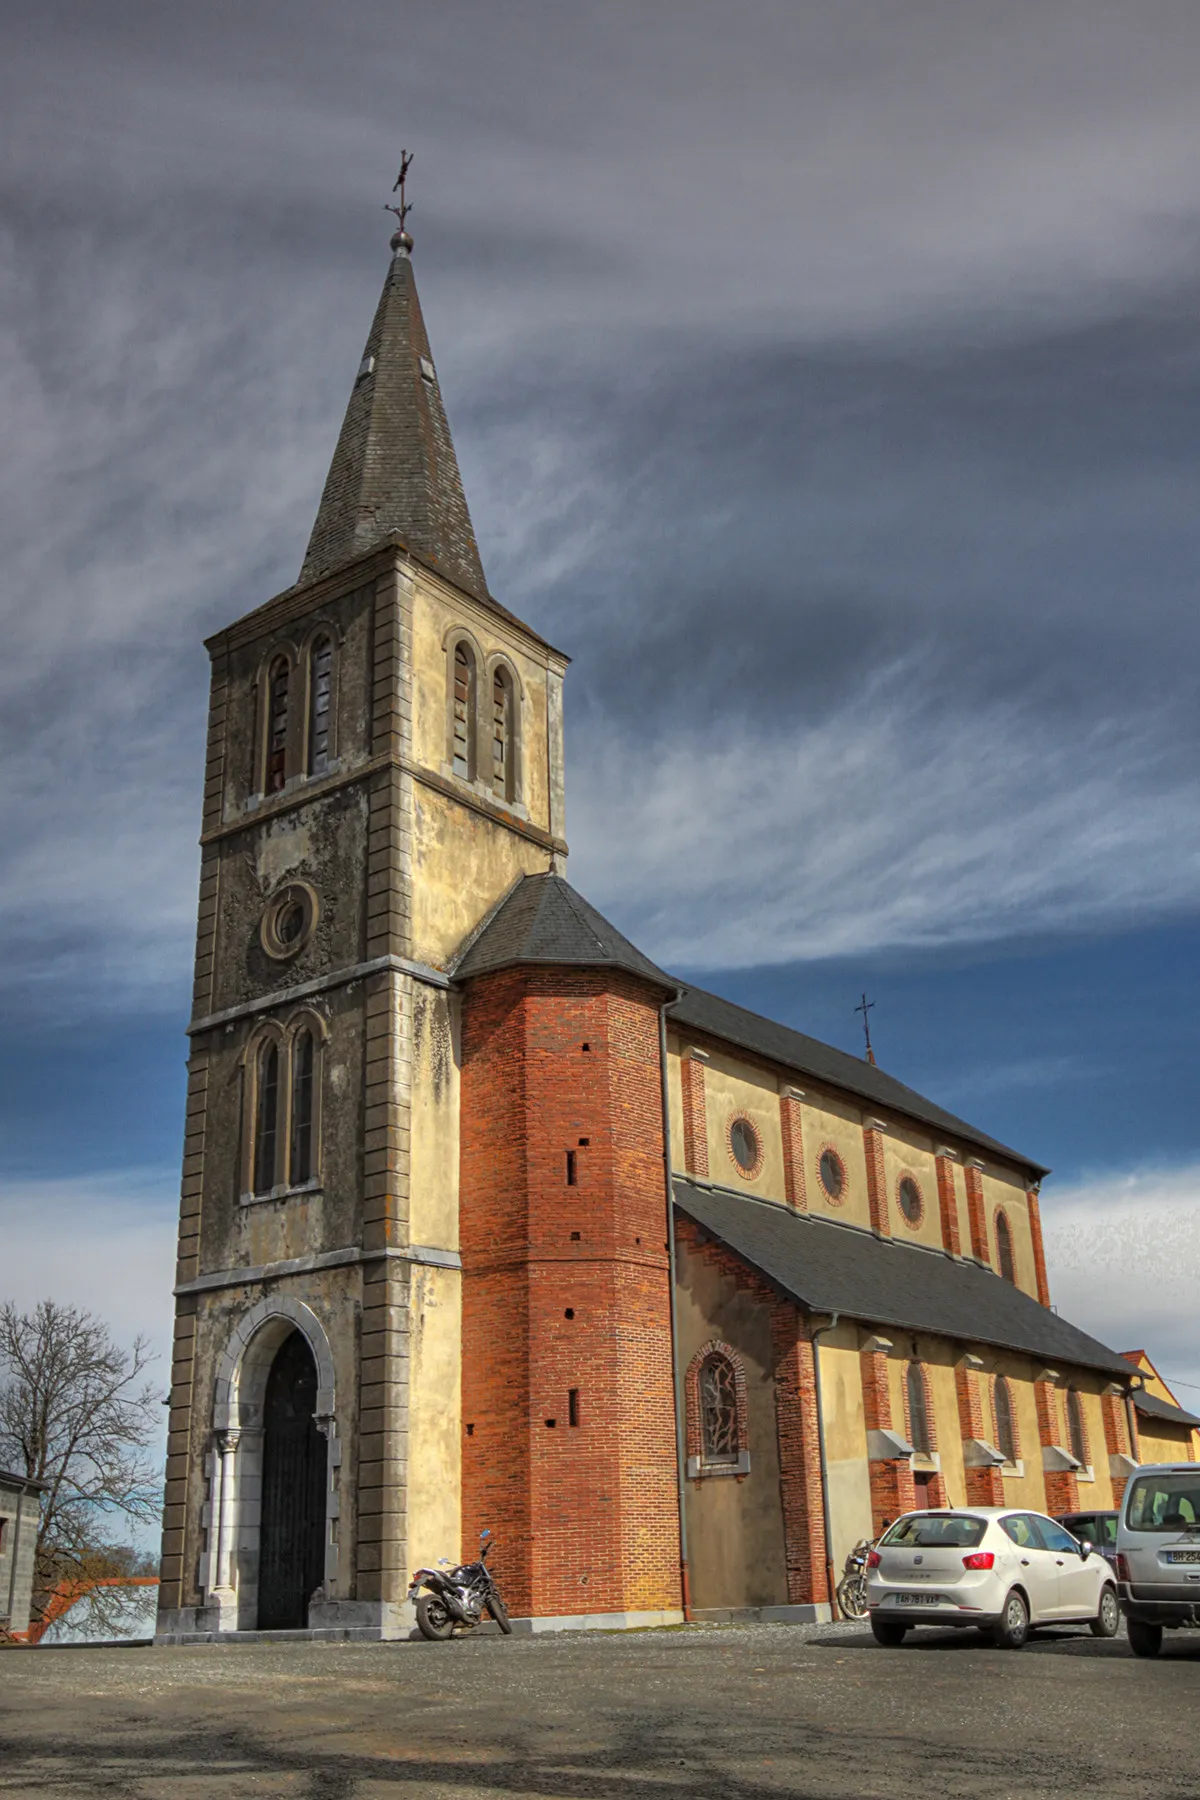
<point x="999" y="1568"/>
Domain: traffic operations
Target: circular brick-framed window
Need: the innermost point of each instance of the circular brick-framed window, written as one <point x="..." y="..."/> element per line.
<point x="289" y="921"/>
<point x="910" y="1200"/>
<point x="744" y="1145"/>
<point x="831" y="1172"/>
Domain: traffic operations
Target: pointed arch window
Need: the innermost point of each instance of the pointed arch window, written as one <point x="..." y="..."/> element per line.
<point x="1006" y="1428"/>
<point x="1076" y="1434"/>
<point x="462" y="712"/>
<point x="320" y="703"/>
<point x="1004" y="1248"/>
<point x="278" y="684"/>
<point x="503" y="747"/>
<point x="266" y="1121"/>
<point x="919" y="1432"/>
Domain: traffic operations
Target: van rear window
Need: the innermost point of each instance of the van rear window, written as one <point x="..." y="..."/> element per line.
<point x="933" y="1531"/>
<point x="1163" y="1502"/>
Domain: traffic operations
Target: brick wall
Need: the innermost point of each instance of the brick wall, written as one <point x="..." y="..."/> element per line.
<point x="985" y="1486"/>
<point x="1039" y="1251"/>
<point x="791" y="1127"/>
<point x="695" y="1115"/>
<point x="876" y="1178"/>
<point x="1062" y="1489"/>
<point x="795" y="1419"/>
<point x="565" y="1290"/>
<point x="893" y="1490"/>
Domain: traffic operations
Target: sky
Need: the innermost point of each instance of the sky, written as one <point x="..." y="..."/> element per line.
<point x="825" y="380"/>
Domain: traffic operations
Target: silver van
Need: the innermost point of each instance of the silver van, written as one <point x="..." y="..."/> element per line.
<point x="1158" y="1553"/>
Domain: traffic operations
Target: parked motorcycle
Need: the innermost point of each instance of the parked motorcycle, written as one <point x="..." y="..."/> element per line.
<point x="852" y="1588"/>
<point x="457" y="1598"/>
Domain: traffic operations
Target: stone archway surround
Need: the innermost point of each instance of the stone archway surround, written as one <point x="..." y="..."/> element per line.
<point x="230" y="1573"/>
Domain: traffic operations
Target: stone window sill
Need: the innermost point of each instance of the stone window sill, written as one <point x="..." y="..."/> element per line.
<point x="702" y="1471"/>
<point x="282" y="1193"/>
<point x="1013" y="1471"/>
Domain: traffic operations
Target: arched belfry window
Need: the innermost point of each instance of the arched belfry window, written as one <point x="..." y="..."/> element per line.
<point x="278" y="684"/>
<point x="1075" y="1431"/>
<point x="320" y="704"/>
<point x="503" y="734"/>
<point x="920" y="1434"/>
<point x="1004" y="1248"/>
<point x="1006" y="1426"/>
<point x="283" y="1108"/>
<point x="717" y="1436"/>
<point x="462" y="712"/>
<point x="266" y="1118"/>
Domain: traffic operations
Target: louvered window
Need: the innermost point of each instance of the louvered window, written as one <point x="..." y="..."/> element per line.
<point x="464" y="713"/>
<point x="1006" y="1430"/>
<point x="918" y="1411"/>
<point x="1075" y="1429"/>
<point x="502" y="746"/>
<point x="718" y="1410"/>
<point x="266" y="1120"/>
<point x="303" y="1063"/>
<point x="1004" y="1249"/>
<point x="320" y="695"/>
<point x="277" y="725"/>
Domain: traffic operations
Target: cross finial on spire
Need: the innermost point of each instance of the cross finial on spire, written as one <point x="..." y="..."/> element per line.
<point x="866" y="1007"/>
<point x="400" y="237"/>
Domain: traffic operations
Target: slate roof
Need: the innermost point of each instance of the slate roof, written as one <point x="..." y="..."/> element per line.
<point x="719" y="1018"/>
<point x="1154" y="1408"/>
<point x="394" y="469"/>
<point x="829" y="1268"/>
<point x="543" y="920"/>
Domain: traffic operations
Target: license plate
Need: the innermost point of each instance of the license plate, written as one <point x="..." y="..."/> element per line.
<point x="1183" y="1556"/>
<point x="916" y="1599"/>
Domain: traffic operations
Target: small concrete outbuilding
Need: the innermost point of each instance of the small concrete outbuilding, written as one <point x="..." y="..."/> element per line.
<point x="20" y="1497"/>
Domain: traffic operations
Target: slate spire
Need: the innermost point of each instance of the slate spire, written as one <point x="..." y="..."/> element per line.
<point x="394" y="468"/>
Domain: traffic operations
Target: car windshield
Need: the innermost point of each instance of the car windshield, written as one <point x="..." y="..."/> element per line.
<point x="932" y="1531"/>
<point x="1168" y="1502"/>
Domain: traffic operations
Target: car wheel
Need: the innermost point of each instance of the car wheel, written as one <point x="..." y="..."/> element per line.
<point x="887" y="1633"/>
<point x="1144" y="1640"/>
<point x="1107" y="1621"/>
<point x="1012" y="1628"/>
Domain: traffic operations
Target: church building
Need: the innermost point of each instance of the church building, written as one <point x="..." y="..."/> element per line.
<point x="486" y="1220"/>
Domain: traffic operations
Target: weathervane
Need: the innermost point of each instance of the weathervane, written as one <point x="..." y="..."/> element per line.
<point x="866" y="1007"/>
<point x="401" y="239"/>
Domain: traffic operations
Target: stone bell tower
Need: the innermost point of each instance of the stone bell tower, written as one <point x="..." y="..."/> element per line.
<point x="384" y="762"/>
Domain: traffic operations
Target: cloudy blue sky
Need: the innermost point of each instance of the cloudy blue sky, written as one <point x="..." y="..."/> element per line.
<point x="826" y="380"/>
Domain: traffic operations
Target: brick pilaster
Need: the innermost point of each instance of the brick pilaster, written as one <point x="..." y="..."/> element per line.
<point x="948" y="1202"/>
<point x="976" y="1214"/>
<point x="695" y="1113"/>
<point x="805" y="1549"/>
<point x="1062" y="1489"/>
<point x="1039" y="1253"/>
<point x="791" y="1126"/>
<point x="892" y="1488"/>
<point x="985" y="1486"/>
<point x="876" y="1176"/>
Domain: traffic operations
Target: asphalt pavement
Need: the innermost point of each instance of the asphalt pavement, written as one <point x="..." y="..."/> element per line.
<point x="710" y="1713"/>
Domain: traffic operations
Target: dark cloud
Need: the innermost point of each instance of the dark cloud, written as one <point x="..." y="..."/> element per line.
<point x="825" y="380"/>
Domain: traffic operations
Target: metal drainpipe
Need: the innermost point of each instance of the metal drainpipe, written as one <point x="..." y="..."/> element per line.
<point x="813" y="1336"/>
<point x="1135" y="1448"/>
<point x="676" y="1379"/>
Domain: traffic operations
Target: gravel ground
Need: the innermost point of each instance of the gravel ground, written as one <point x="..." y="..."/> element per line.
<point x="710" y="1713"/>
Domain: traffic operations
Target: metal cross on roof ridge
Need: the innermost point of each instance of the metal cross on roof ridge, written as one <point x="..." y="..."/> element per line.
<point x="864" y="1008"/>
<point x="405" y="207"/>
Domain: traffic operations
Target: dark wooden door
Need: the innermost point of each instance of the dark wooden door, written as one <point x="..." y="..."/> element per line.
<point x="292" y="1539"/>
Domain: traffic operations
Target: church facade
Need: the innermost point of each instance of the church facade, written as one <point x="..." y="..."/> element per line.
<point x="486" y="1220"/>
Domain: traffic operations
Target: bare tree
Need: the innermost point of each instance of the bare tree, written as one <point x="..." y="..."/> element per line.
<point x="76" y="1414"/>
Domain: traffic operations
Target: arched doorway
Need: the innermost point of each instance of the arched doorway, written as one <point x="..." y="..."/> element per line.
<point x="292" y="1541"/>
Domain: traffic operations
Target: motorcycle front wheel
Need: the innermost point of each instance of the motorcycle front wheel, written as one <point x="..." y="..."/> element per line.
<point x="499" y="1612"/>
<point x="852" y="1597"/>
<point x="434" y="1620"/>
